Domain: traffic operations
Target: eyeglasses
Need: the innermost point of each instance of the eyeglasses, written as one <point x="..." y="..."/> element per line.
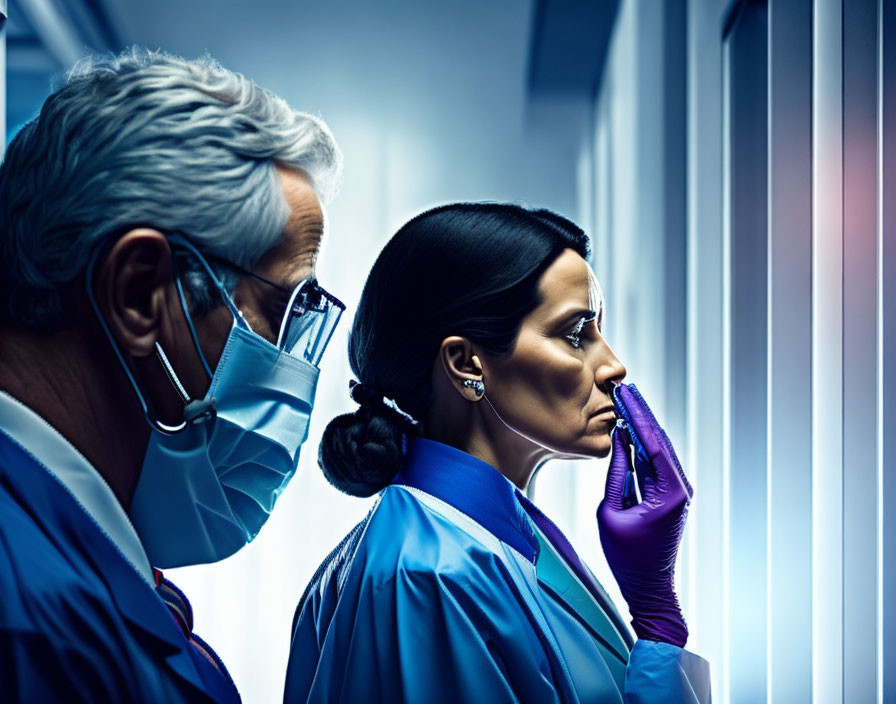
<point x="308" y="323"/>
<point x="309" y="318"/>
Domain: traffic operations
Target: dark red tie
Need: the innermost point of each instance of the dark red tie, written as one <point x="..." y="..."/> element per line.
<point x="182" y="612"/>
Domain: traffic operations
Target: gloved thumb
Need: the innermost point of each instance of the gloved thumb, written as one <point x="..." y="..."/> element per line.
<point x="620" y="466"/>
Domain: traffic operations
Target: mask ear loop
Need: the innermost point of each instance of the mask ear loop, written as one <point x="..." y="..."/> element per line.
<point x="196" y="409"/>
<point x="193" y="408"/>
<point x="153" y="422"/>
<point x="228" y="301"/>
<point x="189" y="319"/>
<point x="172" y="376"/>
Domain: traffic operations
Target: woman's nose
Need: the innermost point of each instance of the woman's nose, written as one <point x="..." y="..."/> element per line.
<point x="609" y="368"/>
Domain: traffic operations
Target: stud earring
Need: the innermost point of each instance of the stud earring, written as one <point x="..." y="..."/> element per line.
<point x="477" y="386"/>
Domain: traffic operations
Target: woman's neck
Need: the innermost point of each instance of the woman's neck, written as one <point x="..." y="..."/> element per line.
<point x="488" y="438"/>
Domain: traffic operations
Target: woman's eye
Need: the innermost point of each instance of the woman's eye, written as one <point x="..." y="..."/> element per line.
<point x="574" y="339"/>
<point x="575" y="336"/>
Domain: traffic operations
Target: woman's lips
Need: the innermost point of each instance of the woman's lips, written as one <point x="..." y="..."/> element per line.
<point x="607" y="413"/>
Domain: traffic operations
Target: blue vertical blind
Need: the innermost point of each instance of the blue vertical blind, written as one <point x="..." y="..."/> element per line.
<point x="789" y="332"/>
<point x="886" y="366"/>
<point x="746" y="325"/>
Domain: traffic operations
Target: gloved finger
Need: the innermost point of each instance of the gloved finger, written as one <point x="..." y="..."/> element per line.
<point x="654" y="439"/>
<point x="672" y="460"/>
<point x="641" y="418"/>
<point x="629" y="495"/>
<point x="647" y="479"/>
<point x="620" y="466"/>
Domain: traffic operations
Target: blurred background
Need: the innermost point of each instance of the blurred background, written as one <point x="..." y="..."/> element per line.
<point x="731" y="160"/>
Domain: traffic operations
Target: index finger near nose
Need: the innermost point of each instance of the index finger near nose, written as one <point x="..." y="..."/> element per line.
<point x="644" y="423"/>
<point x="652" y="436"/>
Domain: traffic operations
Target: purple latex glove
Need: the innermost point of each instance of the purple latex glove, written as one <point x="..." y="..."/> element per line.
<point x="640" y="540"/>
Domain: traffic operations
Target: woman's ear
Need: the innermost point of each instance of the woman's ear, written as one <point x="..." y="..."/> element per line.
<point x="462" y="367"/>
<point x="131" y="286"/>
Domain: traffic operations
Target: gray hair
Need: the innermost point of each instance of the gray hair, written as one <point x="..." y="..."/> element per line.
<point x="148" y="139"/>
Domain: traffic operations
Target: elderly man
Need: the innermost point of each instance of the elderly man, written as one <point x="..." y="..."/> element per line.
<point x="160" y="328"/>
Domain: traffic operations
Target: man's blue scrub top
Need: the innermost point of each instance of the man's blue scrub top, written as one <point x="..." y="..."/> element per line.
<point x="449" y="591"/>
<point x="78" y="623"/>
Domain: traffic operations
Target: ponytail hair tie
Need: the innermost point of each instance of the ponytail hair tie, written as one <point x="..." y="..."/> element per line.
<point x="373" y="399"/>
<point x="365" y="394"/>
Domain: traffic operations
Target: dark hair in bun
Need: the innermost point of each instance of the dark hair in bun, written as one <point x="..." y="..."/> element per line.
<point x="364" y="446"/>
<point x="467" y="269"/>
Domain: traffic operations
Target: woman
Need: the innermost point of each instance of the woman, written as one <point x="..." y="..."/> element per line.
<point x="478" y="348"/>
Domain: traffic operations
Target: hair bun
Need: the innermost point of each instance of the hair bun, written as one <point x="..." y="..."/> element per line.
<point x="360" y="452"/>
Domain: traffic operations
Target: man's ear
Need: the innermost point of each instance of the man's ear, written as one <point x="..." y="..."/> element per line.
<point x="461" y="366"/>
<point x="131" y="285"/>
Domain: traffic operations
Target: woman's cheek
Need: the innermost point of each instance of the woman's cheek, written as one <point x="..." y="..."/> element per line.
<point x="562" y="379"/>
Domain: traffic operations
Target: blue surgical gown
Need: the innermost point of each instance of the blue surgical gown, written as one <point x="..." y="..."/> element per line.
<point x="77" y="622"/>
<point x="449" y="591"/>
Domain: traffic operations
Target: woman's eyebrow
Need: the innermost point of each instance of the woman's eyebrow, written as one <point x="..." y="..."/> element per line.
<point x="573" y="316"/>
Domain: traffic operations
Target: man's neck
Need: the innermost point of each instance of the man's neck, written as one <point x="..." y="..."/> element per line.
<point x="76" y="387"/>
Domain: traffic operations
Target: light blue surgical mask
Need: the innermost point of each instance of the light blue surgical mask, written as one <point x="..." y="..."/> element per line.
<point x="208" y="485"/>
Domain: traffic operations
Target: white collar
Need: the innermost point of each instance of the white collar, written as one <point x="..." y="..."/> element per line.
<point x="76" y="474"/>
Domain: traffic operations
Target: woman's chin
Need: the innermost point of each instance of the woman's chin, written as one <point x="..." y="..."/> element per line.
<point x="602" y="452"/>
<point x="601" y="444"/>
<point x="591" y="447"/>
